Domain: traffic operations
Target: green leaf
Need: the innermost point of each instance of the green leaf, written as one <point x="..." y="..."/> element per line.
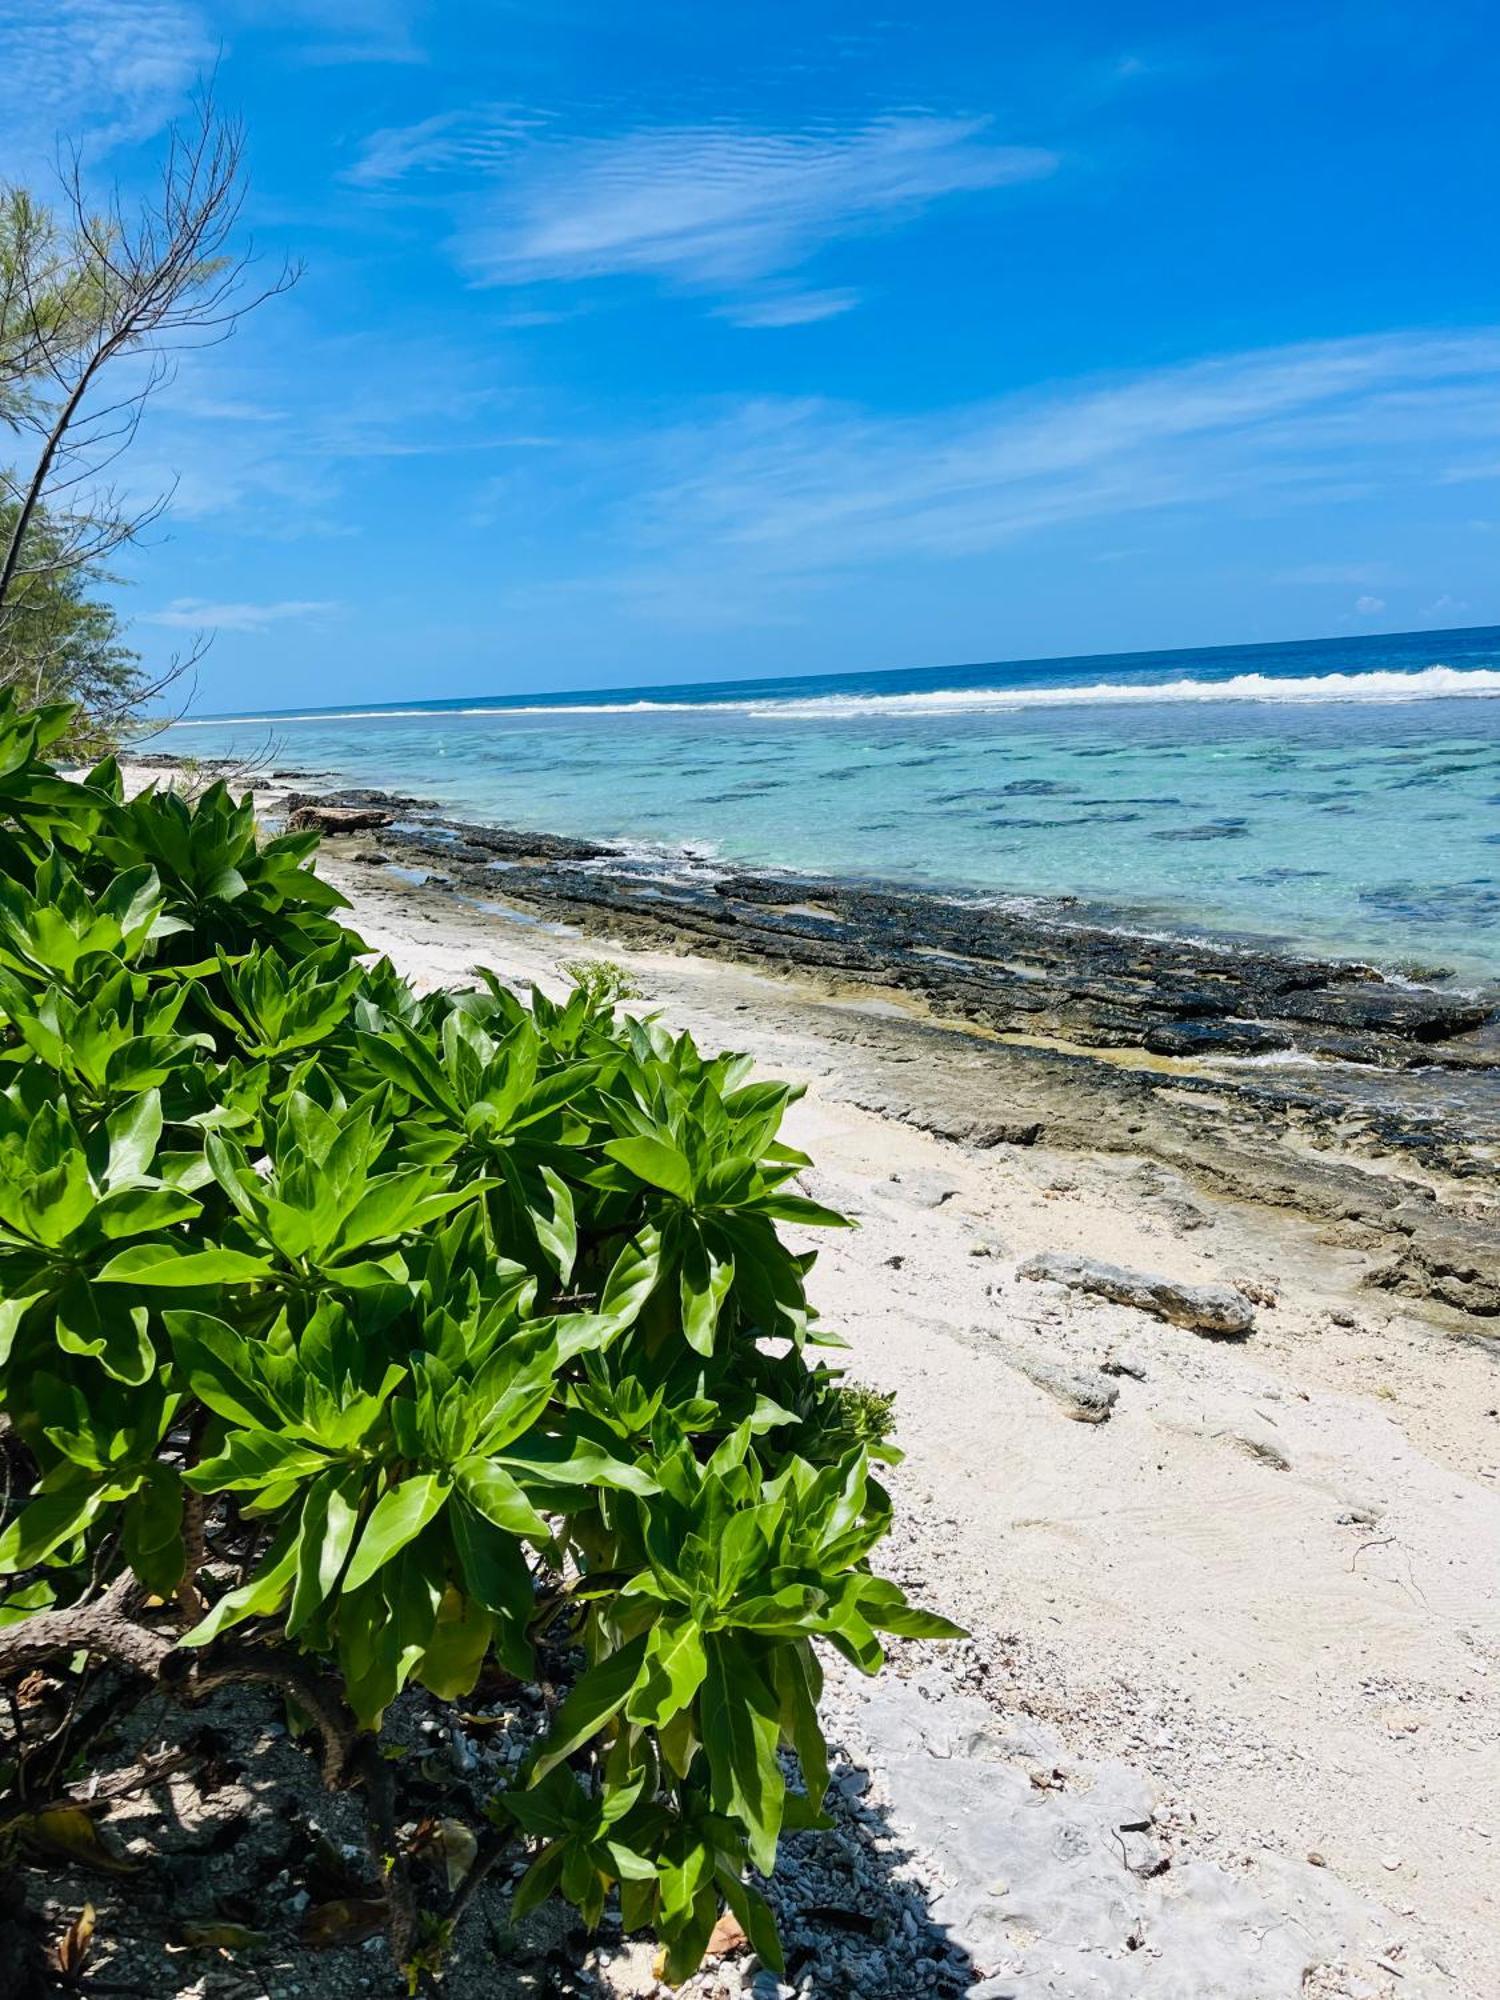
<point x="157" y="1264"/>
<point x="799" y="1683"/>
<point x="557" y="1228"/>
<point x="222" y="1371"/>
<point x="152" y="1532"/>
<point x="886" y="1608"/>
<point x="595" y="1699"/>
<point x="633" y="1277"/>
<point x="134" y="1131"/>
<point x="797" y="1208"/>
<point x="654" y="1161"/>
<point x="329" y="1522"/>
<point x="252" y="1459"/>
<point x="46" y="1523"/>
<point x="574" y="1461"/>
<point x="704" y="1284"/>
<point x="753" y="1914"/>
<point x="741" y="1729"/>
<point x="455" y="1652"/>
<point x="490" y="1490"/>
<point x="264" y="1594"/>
<point x="540" y="1881"/>
<point x="673" y="1671"/>
<point x="398" y="1517"/>
<point x="793" y="1609"/>
<point x="131" y="1211"/>
<point x="12" y="1312"/>
<point x="495" y="1575"/>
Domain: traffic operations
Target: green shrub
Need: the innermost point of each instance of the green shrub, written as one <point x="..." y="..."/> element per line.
<point x="448" y="1318"/>
<point x="602" y="979"/>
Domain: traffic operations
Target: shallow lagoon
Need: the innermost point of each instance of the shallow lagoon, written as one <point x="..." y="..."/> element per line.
<point x="1360" y="817"/>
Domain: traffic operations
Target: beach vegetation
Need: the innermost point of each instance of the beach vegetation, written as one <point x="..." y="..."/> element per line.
<point x="355" y="1340"/>
<point x="868" y="1415"/>
<point x="604" y="980"/>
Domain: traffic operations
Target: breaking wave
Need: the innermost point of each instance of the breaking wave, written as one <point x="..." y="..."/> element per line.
<point x="1436" y="683"/>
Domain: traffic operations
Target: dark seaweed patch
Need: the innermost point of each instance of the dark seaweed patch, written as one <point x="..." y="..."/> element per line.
<point x="1215" y="829"/>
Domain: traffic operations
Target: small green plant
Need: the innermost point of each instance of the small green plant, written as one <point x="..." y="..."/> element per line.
<point x="605" y="982"/>
<point x="350" y="1337"/>
<point x="868" y="1415"/>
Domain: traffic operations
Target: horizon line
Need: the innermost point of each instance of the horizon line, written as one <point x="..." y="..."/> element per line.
<point x="571" y="696"/>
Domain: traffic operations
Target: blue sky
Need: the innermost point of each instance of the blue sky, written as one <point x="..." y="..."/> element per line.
<point x="670" y="342"/>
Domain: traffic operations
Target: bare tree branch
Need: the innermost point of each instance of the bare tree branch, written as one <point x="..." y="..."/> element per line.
<point x="76" y="302"/>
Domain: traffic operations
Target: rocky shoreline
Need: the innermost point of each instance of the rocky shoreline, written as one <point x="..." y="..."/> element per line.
<point x="1370" y="1103"/>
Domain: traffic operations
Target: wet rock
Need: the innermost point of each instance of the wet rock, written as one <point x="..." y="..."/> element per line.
<point x="1211" y="1309"/>
<point x="360" y="795"/>
<point x="1405" y="1011"/>
<point x="507" y="844"/>
<point x="1228" y="1037"/>
<point x="337" y="819"/>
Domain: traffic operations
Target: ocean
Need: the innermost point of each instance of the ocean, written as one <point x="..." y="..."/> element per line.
<point x="1334" y="795"/>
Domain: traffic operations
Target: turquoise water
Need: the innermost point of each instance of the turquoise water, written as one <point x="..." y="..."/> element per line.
<point x="1341" y="795"/>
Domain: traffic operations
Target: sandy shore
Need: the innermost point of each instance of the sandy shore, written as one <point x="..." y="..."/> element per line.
<point x="1265" y="1588"/>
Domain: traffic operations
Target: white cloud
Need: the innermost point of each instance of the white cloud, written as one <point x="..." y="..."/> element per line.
<point x="1368" y="607"/>
<point x="471" y="142"/>
<point x="789" y="309"/>
<point x="778" y="489"/>
<point x="398" y="150"/>
<point x="711" y="205"/>
<point x="104" y="72"/>
<point x="199" y="614"/>
<point x="1445" y="607"/>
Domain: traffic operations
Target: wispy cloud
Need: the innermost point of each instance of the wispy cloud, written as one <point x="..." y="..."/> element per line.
<point x="789" y="308"/>
<point x="200" y="614"/>
<point x="107" y="71"/>
<point x="721" y="208"/>
<point x="345" y="31"/>
<point x="276" y="432"/>
<point x="776" y="491"/>
<point x="475" y="141"/>
<point x="395" y="151"/>
<point x="716" y="205"/>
